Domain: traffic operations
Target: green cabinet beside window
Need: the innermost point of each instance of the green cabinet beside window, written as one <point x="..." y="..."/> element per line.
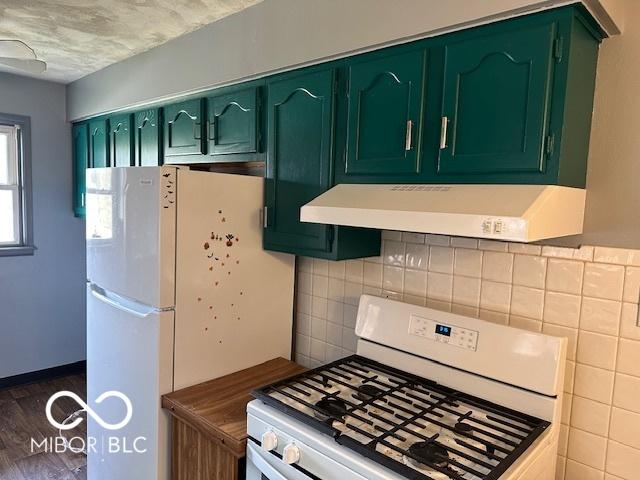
<point x="301" y="112"/>
<point x="385" y="99"/>
<point x="121" y="140"/>
<point x="80" y="147"/>
<point x="183" y="129"/>
<point x="232" y="121"/>
<point x="98" y="143"/>
<point x="147" y="138"/>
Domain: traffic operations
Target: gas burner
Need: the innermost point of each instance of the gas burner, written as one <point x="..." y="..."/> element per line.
<point x="366" y="391"/>
<point x="334" y="408"/>
<point x="463" y="428"/>
<point x="427" y="455"/>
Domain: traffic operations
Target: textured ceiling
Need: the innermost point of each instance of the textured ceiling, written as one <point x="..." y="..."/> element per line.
<point x="78" y="37"/>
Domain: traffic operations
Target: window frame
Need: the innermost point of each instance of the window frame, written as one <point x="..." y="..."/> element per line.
<point x="22" y="124"/>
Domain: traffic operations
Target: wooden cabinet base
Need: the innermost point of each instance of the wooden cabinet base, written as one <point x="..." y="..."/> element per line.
<point x="197" y="457"/>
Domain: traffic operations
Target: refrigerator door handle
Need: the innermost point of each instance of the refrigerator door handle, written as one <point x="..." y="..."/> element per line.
<point x="121" y="303"/>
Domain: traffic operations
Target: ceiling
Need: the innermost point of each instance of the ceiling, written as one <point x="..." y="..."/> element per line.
<point x="78" y="37"/>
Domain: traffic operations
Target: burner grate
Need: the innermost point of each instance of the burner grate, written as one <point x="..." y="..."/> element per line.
<point x="401" y="411"/>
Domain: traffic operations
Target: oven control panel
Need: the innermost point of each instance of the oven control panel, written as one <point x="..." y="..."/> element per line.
<point x="440" y="332"/>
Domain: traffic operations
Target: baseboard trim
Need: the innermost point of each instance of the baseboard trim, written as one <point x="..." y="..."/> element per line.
<point x="46" y="374"/>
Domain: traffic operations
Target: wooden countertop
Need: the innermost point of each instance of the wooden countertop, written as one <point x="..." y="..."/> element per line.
<point x="217" y="408"/>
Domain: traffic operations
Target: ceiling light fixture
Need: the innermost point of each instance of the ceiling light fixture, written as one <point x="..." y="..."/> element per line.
<point x="18" y="55"/>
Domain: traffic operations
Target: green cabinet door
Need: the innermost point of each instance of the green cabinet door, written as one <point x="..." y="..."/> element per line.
<point x="183" y="128"/>
<point x="121" y="140"/>
<point x="98" y="143"/>
<point x="231" y="122"/>
<point x="385" y="98"/>
<point x="299" y="156"/>
<point x="495" y="101"/>
<point x="148" y="148"/>
<point x="80" y="141"/>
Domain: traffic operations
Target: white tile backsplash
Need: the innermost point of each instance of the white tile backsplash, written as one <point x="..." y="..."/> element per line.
<point x="588" y="295"/>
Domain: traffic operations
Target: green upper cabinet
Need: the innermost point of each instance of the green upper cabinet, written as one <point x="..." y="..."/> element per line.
<point x="147" y="138"/>
<point x="300" y="113"/>
<point x="183" y="128"/>
<point x="121" y="140"/>
<point x="496" y="101"/>
<point x="232" y="121"/>
<point x="80" y="144"/>
<point x="385" y="102"/>
<point x="98" y="143"/>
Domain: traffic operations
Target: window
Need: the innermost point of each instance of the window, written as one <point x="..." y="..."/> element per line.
<point x="15" y="195"/>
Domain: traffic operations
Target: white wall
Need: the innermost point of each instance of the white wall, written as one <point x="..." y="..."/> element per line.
<point x="42" y="305"/>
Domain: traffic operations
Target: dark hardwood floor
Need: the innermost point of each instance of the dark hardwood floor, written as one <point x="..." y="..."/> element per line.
<point x="22" y="417"/>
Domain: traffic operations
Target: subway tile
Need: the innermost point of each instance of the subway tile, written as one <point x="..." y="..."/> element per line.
<point x="587" y="448"/>
<point x="372" y="274"/>
<point x="529" y="271"/>
<point x="495" y="296"/>
<point x="337" y="269"/>
<point x="417" y="256"/>
<point x="303" y="360"/>
<point x="439" y="305"/>
<point x="303" y="344"/>
<point x="353" y="271"/>
<point x="349" y="339"/>
<point x="320" y="286"/>
<point x="415" y="282"/>
<point x="349" y="316"/>
<point x="393" y="278"/>
<point x="465" y="310"/>
<point x="391" y="295"/>
<point x="318" y="328"/>
<point x="584" y="253"/>
<point x="578" y="471"/>
<point x="414" y="299"/>
<point x="603" y="281"/>
<point x="500" y="318"/>
<point x="593" y="383"/>
<point x="464" y="242"/>
<point x="527" y="302"/>
<point x="557" y="252"/>
<point x="391" y="235"/>
<point x="626" y="392"/>
<point x="441" y="259"/>
<point x="632" y="285"/>
<point x="377" y="259"/>
<point x="562" y="309"/>
<point x="335" y="312"/>
<point x="304" y="282"/>
<point x="466" y="291"/>
<point x="599" y="315"/>
<point x="303" y="323"/>
<point x="317" y="350"/>
<point x="333" y="353"/>
<point x="590" y="416"/>
<point x="304" y="264"/>
<point x="625" y="427"/>
<point x="608" y="476"/>
<point x="623" y="461"/>
<point x="393" y="253"/>
<point x="619" y="256"/>
<point x="629" y="321"/>
<point x="468" y="262"/>
<point x="525" y="248"/>
<point x="411" y="237"/>
<point x="564" y="276"/>
<point x="492" y="245"/>
<point x="597" y="350"/>
<point x="369" y="290"/>
<point x="497" y="267"/>
<point x="334" y="334"/>
<point x="352" y="293"/>
<point x="629" y="357"/>
<point x="319" y="307"/>
<point x="571" y="334"/>
<point x="440" y="240"/>
<point x="303" y="303"/>
<point x="320" y="267"/>
<point x="439" y="286"/>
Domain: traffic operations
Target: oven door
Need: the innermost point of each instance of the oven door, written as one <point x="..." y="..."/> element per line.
<point x="263" y="465"/>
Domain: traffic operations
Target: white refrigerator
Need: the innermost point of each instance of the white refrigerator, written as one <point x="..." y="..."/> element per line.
<point x="179" y="291"/>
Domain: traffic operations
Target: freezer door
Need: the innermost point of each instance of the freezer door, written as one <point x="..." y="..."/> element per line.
<point x="129" y="350"/>
<point x="234" y="300"/>
<point x="131" y="215"/>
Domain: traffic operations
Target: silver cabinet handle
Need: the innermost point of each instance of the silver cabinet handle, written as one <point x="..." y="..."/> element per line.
<point x="408" y="136"/>
<point x="196" y="127"/>
<point x="265" y="214"/>
<point x="82" y="200"/>
<point x="443" y="132"/>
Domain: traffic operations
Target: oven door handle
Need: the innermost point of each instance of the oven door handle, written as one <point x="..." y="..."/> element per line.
<point x="263" y="462"/>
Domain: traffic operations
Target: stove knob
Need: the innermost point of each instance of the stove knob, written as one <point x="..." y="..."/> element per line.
<point x="269" y="441"/>
<point x="291" y="454"/>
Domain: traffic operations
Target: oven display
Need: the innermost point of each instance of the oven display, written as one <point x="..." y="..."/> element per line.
<point x="443" y="330"/>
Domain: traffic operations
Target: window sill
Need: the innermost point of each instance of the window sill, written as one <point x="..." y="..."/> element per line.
<point x="17" y="251"/>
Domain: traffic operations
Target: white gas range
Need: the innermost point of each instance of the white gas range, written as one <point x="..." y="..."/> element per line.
<point x="429" y="395"/>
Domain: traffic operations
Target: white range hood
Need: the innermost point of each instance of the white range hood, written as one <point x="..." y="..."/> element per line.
<point x="520" y="213"/>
